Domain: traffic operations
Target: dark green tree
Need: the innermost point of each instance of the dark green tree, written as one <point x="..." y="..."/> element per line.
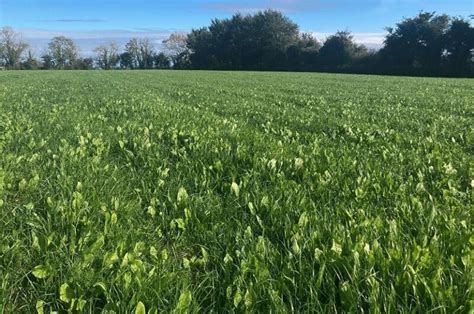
<point x="47" y="62"/>
<point x="84" y="63"/>
<point x="161" y="61"/>
<point x="275" y="33"/>
<point x="30" y="62"/>
<point x="125" y="60"/>
<point x="303" y="54"/>
<point x="252" y="42"/>
<point x="417" y="43"/>
<point x="340" y="50"/>
<point x="459" y="47"/>
<point x="201" y="52"/>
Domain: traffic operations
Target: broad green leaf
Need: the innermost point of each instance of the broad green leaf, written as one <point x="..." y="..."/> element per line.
<point x="98" y="244"/>
<point x="40" y="307"/>
<point x="228" y="259"/>
<point x="140" y="309"/>
<point x="295" y="247"/>
<point x="249" y="299"/>
<point x="182" y="195"/>
<point x="184" y="301"/>
<point x="40" y="271"/>
<point x="153" y="252"/>
<point x="102" y="286"/>
<point x="235" y="189"/>
<point x="66" y="294"/>
<point x="237" y="298"/>
<point x="181" y="224"/>
<point x="336" y="248"/>
<point x="110" y="259"/>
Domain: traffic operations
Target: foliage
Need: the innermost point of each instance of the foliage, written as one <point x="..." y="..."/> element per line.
<point x="138" y="54"/>
<point x="176" y="49"/>
<point x="339" y="50"/>
<point x="12" y="47"/>
<point x="63" y="52"/>
<point x="425" y="45"/>
<point x="252" y="42"/>
<point x="430" y="44"/>
<point x="161" y="61"/>
<point x="417" y="42"/>
<point x="107" y="56"/>
<point x="30" y="63"/>
<point x="84" y="64"/>
<point x="258" y="192"/>
<point x="459" y="44"/>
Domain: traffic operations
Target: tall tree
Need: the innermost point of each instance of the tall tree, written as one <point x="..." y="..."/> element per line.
<point x="139" y="53"/>
<point x="176" y="48"/>
<point x="417" y="42"/>
<point x="145" y="56"/>
<point x="459" y="45"/>
<point x="201" y="53"/>
<point x="30" y="62"/>
<point x="107" y="56"/>
<point x="256" y="41"/>
<point x="303" y="54"/>
<point x="339" y="50"/>
<point x="125" y="60"/>
<point x="11" y="47"/>
<point x="275" y="33"/>
<point x="161" y="61"/>
<point x="132" y="51"/>
<point x="47" y="61"/>
<point x="63" y="52"/>
<point x="231" y="43"/>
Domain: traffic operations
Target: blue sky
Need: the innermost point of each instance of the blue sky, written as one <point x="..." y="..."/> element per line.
<point x="91" y="22"/>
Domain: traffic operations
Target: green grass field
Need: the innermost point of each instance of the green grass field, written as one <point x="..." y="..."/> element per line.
<point x="249" y="192"/>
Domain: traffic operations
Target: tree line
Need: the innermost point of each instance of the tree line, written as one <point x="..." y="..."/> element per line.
<point x="427" y="44"/>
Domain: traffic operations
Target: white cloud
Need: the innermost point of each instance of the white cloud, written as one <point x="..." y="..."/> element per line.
<point x="93" y="34"/>
<point x="73" y="21"/>
<point x="371" y="40"/>
<point x="88" y="40"/>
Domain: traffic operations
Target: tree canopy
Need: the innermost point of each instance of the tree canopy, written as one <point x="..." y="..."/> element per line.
<point x="252" y="42"/>
<point x="63" y="52"/>
<point x="107" y="56"/>
<point x="11" y="47"/>
<point x="426" y="44"/>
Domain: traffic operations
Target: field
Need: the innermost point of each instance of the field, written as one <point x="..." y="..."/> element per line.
<point x="159" y="191"/>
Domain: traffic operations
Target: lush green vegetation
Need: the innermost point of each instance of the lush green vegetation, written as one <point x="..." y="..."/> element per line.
<point x="427" y="44"/>
<point x="160" y="191"/>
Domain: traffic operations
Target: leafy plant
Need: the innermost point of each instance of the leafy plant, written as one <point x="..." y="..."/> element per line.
<point x="235" y="191"/>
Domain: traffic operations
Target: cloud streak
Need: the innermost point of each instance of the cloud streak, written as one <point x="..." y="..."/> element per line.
<point x="74" y="21"/>
<point x="38" y="33"/>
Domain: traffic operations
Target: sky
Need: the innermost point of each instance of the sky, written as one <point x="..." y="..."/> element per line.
<point x="94" y="22"/>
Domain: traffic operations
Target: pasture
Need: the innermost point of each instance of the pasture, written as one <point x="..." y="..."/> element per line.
<point x="160" y="191"/>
